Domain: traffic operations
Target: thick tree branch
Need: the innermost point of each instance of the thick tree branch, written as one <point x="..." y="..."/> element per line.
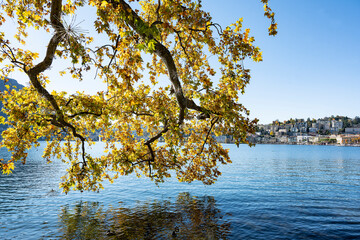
<point x="157" y="136"/>
<point x="134" y="20"/>
<point x="33" y="73"/>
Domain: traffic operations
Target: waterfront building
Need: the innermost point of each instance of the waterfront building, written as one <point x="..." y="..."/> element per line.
<point x="313" y="130"/>
<point x="303" y="139"/>
<point x="348" y="139"/>
<point x="352" y="130"/>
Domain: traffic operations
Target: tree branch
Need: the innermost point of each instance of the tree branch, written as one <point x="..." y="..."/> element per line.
<point x="115" y="50"/>
<point x="206" y="138"/>
<point x="84" y="113"/>
<point x="133" y="20"/>
<point x="11" y="56"/>
<point x="58" y="119"/>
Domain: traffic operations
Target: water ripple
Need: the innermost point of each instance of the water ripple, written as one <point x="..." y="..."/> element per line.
<point x="269" y="192"/>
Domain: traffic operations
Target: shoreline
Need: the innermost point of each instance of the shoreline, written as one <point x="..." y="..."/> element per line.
<point x="305" y="144"/>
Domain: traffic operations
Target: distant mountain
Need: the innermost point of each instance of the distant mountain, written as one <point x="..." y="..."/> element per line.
<point x="12" y="83"/>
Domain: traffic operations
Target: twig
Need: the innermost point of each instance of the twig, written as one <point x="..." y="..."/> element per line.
<point x="84" y="113"/>
<point x="213" y="121"/>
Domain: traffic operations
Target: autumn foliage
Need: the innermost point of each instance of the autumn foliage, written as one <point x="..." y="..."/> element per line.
<point x="161" y="85"/>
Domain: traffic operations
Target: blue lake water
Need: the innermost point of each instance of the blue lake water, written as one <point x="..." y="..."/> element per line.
<point x="268" y="192"/>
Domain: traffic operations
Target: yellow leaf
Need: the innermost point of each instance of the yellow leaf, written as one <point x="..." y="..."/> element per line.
<point x="104" y="3"/>
<point x="37" y="17"/>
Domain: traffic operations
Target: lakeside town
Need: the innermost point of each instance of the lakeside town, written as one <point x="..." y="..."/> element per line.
<point x="334" y="130"/>
<point x="339" y="130"/>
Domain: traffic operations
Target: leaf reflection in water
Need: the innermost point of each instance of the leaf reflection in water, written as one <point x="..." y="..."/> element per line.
<point x="188" y="217"/>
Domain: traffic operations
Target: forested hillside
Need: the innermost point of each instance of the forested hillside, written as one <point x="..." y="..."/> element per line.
<point x="12" y="83"/>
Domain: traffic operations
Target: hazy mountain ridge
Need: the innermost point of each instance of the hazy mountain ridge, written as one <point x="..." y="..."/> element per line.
<point x="12" y="83"/>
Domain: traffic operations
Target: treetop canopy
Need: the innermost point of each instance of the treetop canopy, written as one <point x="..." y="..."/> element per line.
<point x="145" y="41"/>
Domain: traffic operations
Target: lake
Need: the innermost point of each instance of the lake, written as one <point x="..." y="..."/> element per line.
<point x="268" y="192"/>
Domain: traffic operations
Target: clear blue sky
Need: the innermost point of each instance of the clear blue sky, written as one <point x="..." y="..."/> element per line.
<point x="310" y="69"/>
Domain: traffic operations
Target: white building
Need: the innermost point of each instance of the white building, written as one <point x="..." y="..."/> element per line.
<point x="352" y="130"/>
<point x="337" y="124"/>
<point x="303" y="139"/>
